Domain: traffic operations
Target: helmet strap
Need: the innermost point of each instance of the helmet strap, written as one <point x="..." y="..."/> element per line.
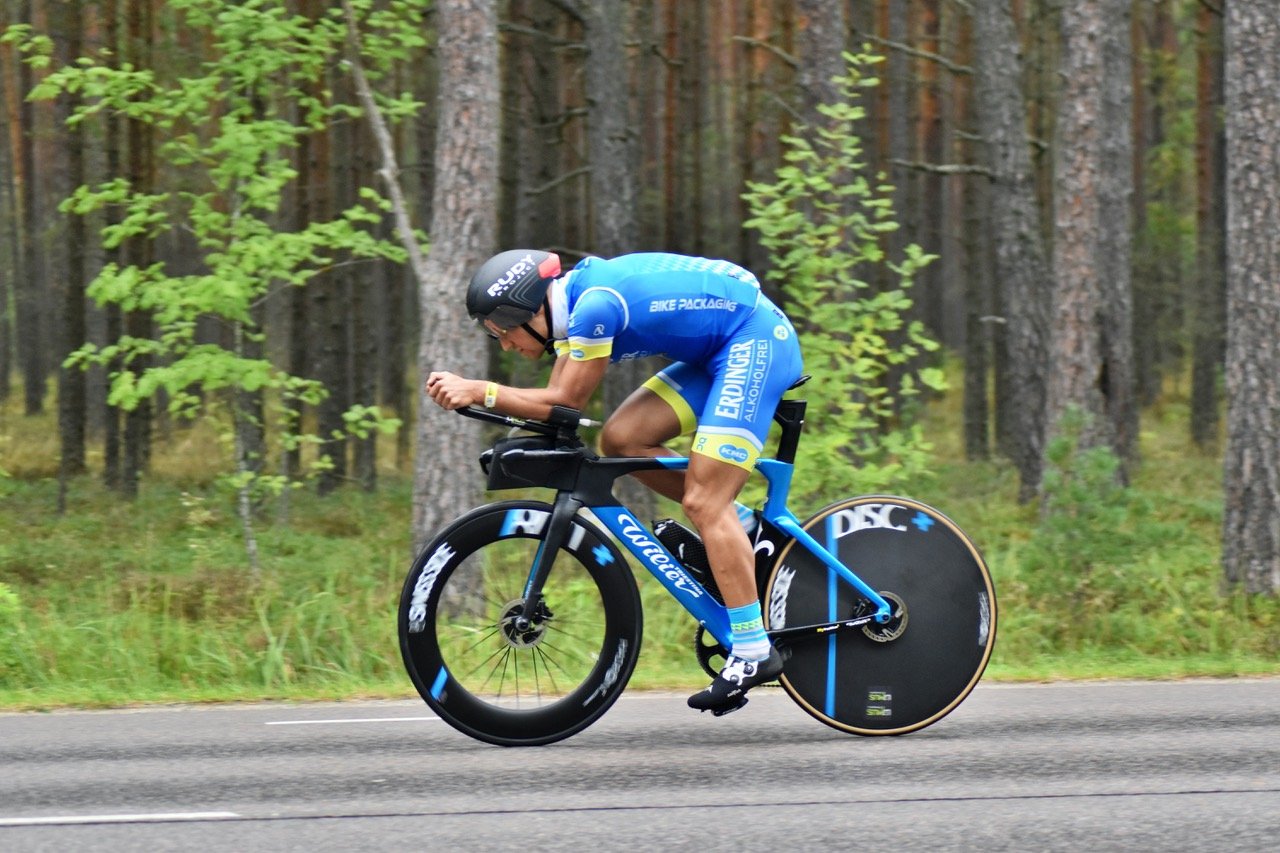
<point x="548" y="345"/>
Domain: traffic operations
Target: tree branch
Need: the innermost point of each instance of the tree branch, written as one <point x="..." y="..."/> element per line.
<point x="555" y="41"/>
<point x="555" y="182"/>
<point x="953" y="67"/>
<point x="776" y="51"/>
<point x="666" y="60"/>
<point x="564" y="118"/>
<point x="944" y="168"/>
<point x="390" y="172"/>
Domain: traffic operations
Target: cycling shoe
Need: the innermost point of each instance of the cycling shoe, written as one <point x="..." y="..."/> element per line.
<point x="727" y="692"/>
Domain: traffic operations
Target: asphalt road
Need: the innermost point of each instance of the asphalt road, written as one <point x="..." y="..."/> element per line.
<point x="1133" y="766"/>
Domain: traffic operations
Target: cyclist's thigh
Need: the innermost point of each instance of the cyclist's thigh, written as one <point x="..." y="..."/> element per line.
<point x="749" y="376"/>
<point x="657" y="411"/>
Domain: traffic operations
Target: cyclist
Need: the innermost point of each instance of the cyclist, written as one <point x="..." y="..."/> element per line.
<point x="734" y="353"/>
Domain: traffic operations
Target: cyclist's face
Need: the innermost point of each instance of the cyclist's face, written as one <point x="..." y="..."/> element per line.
<point x="515" y="339"/>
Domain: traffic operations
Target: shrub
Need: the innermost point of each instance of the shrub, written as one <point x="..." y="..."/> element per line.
<point x="823" y="221"/>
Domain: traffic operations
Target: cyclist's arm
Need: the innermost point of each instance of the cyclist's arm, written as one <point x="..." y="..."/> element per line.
<point x="571" y="384"/>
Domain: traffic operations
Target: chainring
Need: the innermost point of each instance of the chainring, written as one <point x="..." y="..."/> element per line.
<point x="711" y="655"/>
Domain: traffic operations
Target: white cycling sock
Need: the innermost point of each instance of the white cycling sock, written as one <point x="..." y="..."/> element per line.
<point x="746" y="516"/>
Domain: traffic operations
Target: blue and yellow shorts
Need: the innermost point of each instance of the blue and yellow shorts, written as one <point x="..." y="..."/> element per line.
<point x="731" y="398"/>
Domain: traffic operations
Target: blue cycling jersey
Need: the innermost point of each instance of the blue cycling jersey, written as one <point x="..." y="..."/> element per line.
<point x="735" y="352"/>
<point x="651" y="304"/>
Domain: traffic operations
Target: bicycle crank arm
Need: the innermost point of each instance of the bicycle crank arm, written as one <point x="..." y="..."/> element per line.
<point x="820" y="629"/>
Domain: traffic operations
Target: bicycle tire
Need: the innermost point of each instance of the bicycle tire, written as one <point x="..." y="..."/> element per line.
<point x="899" y="678"/>
<point x="476" y="670"/>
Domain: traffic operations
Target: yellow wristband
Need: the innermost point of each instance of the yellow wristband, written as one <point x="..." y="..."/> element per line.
<point x="491" y="395"/>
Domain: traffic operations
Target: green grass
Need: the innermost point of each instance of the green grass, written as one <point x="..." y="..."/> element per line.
<point x="116" y="603"/>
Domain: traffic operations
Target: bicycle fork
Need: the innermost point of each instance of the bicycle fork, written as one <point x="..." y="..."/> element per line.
<point x="566" y="506"/>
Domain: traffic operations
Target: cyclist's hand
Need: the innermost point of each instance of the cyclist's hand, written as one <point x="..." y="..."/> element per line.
<point x="450" y="391"/>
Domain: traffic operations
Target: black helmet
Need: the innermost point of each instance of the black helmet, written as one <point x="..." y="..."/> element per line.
<point x="510" y="287"/>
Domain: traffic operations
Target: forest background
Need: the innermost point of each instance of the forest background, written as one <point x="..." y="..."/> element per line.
<point x="218" y="495"/>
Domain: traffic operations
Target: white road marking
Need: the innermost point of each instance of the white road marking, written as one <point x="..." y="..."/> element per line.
<point x="352" y="720"/>
<point x="56" y="820"/>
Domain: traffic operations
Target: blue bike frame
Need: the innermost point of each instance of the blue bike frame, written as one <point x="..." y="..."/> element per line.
<point x="684" y="588"/>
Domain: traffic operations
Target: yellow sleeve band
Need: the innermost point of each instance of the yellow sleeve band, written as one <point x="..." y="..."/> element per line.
<point x="491" y="395"/>
<point x="582" y="351"/>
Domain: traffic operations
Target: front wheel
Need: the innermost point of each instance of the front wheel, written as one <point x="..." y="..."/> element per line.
<point x="903" y="675"/>
<point x="500" y="681"/>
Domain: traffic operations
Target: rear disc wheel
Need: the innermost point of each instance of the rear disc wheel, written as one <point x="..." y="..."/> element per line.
<point x="902" y="675"/>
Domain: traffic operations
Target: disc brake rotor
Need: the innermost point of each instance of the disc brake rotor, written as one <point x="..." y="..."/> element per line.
<point x="530" y="636"/>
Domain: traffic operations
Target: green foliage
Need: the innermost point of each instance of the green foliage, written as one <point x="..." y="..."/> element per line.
<point x="824" y="220"/>
<point x="1113" y="571"/>
<point x="227" y="131"/>
<point x="161" y="607"/>
<point x="36" y="49"/>
<point x="12" y="633"/>
<point x="1087" y="521"/>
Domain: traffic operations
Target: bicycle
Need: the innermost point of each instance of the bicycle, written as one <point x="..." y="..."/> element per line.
<point x="520" y="623"/>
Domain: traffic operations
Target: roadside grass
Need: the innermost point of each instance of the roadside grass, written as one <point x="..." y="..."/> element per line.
<point x="117" y="603"/>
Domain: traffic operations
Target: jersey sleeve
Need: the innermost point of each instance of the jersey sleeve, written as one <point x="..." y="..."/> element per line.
<point x="599" y="314"/>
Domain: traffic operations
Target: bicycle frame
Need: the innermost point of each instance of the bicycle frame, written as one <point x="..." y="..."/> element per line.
<point x="641" y="544"/>
<point x="593" y="491"/>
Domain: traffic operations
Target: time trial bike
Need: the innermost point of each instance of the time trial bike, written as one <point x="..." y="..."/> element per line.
<point x="520" y="623"/>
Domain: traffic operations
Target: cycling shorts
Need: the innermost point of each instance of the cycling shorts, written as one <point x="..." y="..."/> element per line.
<point x="728" y="402"/>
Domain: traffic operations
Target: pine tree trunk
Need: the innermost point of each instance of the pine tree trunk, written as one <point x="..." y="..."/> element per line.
<point x="1251" y="477"/>
<point x="364" y="376"/>
<point x="463" y="232"/>
<point x="756" y="134"/>
<point x="250" y="443"/>
<point x="898" y="112"/>
<point x="820" y="44"/>
<point x="29" y="275"/>
<point x="326" y="312"/>
<point x="973" y="248"/>
<point x="1115" y="229"/>
<point x="10" y="256"/>
<point x="137" y="252"/>
<point x="1207" y="304"/>
<point x="71" y="381"/>
<point x="614" y="221"/>
<point x="1018" y="259"/>
<point x="1090" y="352"/>
<point x="113" y="326"/>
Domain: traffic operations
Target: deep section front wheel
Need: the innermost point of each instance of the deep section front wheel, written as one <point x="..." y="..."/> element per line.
<point x="484" y="671"/>
<point x="903" y="675"/>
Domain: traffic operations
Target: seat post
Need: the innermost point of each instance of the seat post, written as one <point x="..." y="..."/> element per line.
<point x="790" y="416"/>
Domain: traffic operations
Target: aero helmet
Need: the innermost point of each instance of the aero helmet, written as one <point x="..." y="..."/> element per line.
<point x="510" y="287"/>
